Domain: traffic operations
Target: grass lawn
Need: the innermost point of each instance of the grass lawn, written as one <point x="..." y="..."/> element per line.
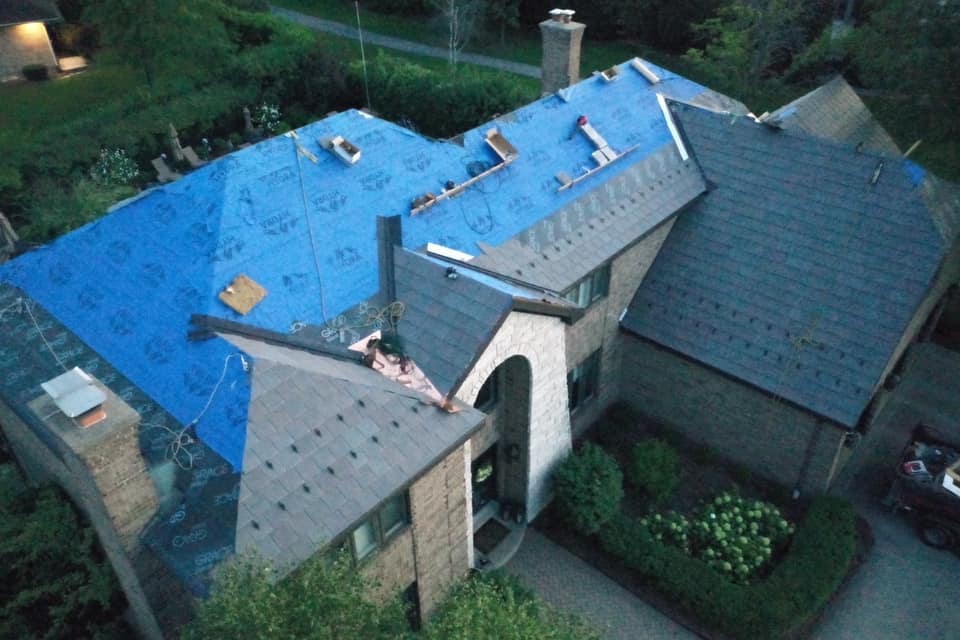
<point x="30" y="106"/>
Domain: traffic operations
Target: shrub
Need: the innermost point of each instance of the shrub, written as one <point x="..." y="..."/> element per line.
<point x="403" y="91"/>
<point x="654" y="468"/>
<point x="36" y="72"/>
<point x="114" y="167"/>
<point x="267" y="117"/>
<point x="733" y="535"/>
<point x="496" y="605"/>
<point x="813" y="567"/>
<point x="588" y="487"/>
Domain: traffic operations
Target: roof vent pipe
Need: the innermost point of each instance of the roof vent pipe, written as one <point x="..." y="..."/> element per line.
<point x="561" y="50"/>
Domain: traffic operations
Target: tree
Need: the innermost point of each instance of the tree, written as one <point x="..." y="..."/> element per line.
<point x="750" y="40"/>
<point x="497" y="606"/>
<point x="54" y="581"/>
<point x="320" y="600"/>
<point x="911" y="48"/>
<point x="161" y="37"/>
<point x="502" y="15"/>
<point x="460" y="16"/>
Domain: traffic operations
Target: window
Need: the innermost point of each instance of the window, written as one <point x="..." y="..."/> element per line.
<point x="389" y="520"/>
<point x="489" y="393"/>
<point x="591" y="288"/>
<point x="582" y="381"/>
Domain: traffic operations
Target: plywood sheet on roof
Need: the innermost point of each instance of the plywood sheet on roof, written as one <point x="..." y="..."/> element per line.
<point x="243" y="294"/>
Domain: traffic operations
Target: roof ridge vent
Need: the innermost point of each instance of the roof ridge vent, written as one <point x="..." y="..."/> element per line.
<point x="500" y="146"/>
<point x="77" y="395"/>
<point x="609" y="75"/>
<point x="342" y="148"/>
<point x="645" y="71"/>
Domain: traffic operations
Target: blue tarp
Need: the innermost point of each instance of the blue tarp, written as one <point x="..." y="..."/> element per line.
<point x="128" y="283"/>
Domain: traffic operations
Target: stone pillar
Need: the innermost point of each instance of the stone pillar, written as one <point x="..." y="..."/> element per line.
<point x="561" y="51"/>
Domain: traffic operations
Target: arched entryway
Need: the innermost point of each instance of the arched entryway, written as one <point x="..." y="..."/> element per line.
<point x="500" y="452"/>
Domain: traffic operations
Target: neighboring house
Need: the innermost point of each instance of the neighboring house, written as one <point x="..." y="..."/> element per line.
<point x="23" y="36"/>
<point x="505" y="260"/>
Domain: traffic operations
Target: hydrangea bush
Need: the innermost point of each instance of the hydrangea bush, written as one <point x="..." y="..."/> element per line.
<point x="114" y="167"/>
<point x="734" y="535"/>
<point x="267" y="117"/>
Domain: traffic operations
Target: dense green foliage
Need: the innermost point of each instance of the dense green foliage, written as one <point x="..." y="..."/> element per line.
<point x="408" y="93"/>
<point x="324" y="600"/>
<point x="321" y="600"/>
<point x="799" y="586"/>
<point x="588" y="488"/>
<point x="497" y="606"/>
<point x="654" y="468"/>
<point x="54" y="581"/>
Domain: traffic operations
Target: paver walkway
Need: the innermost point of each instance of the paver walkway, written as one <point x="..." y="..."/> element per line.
<point x="408" y="46"/>
<point x="569" y="584"/>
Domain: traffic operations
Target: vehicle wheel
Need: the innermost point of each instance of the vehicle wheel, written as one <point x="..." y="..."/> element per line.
<point x="936" y="534"/>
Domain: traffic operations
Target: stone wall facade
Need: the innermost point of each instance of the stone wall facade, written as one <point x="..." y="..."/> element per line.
<point x="777" y="440"/>
<point x="22" y="45"/>
<point x="540" y="341"/>
<point x="599" y="327"/>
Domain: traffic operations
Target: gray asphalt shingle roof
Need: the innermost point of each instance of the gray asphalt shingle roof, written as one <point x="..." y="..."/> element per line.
<point x="793" y="273"/>
<point x="834" y="111"/>
<point x="447" y="322"/>
<point x="559" y="250"/>
<point x="309" y="415"/>
<point x="20" y="11"/>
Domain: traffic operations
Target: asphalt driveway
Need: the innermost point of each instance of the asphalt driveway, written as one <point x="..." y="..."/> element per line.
<point x="904" y="590"/>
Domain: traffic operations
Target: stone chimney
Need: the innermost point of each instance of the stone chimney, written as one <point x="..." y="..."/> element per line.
<point x="561" y="50"/>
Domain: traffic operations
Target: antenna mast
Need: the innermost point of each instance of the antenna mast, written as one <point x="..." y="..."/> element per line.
<point x="363" y="57"/>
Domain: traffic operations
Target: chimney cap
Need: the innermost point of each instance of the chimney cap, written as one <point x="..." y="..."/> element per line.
<point x="74" y="392"/>
<point x="562" y="15"/>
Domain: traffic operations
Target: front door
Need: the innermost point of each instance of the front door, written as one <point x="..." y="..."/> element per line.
<point x="483" y="474"/>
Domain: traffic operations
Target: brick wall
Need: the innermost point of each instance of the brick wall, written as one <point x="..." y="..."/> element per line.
<point x="599" y="327"/>
<point x="561" y="54"/>
<point x="112" y="473"/>
<point x="775" y="439"/>
<point x="441" y="531"/>
<point x="393" y="568"/>
<point x="22" y="45"/>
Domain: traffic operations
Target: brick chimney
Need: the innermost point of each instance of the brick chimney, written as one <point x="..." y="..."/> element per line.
<point x="561" y="50"/>
<point x="99" y="464"/>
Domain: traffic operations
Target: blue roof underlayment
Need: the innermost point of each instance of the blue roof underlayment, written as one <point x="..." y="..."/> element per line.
<point x="127" y="283"/>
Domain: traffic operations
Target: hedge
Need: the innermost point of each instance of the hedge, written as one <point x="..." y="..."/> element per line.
<point x="814" y="566"/>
